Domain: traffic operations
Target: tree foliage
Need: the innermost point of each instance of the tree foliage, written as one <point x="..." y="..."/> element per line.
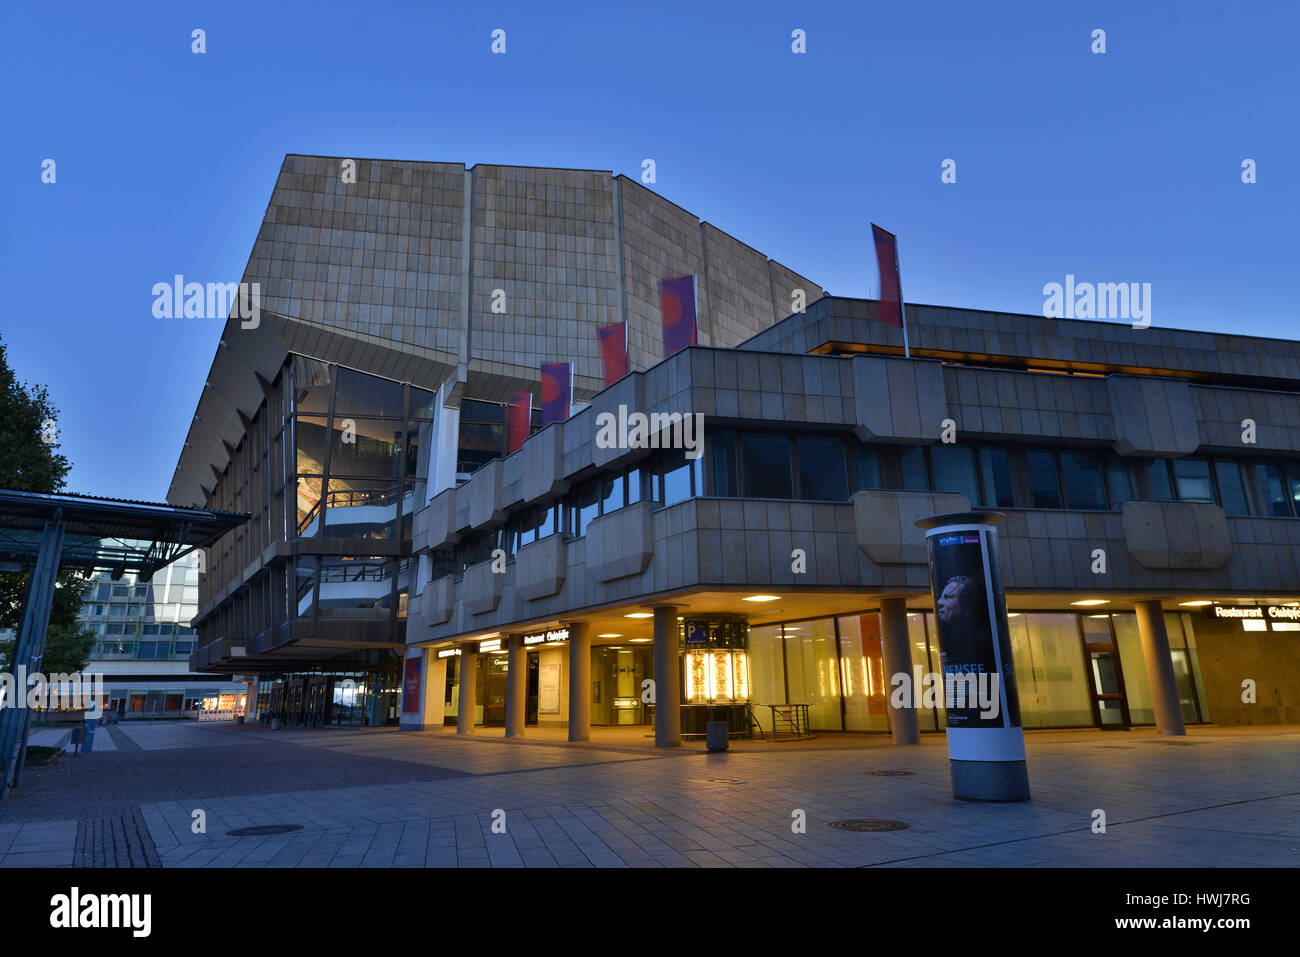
<point x="29" y="463"/>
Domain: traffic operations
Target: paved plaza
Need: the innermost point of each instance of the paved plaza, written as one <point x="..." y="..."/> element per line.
<point x="383" y="798"/>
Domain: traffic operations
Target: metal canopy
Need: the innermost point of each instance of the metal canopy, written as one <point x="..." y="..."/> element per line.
<point x="107" y="534"/>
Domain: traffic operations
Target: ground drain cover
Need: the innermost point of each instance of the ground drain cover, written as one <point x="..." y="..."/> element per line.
<point x="891" y="773"/>
<point x="263" y="830"/>
<point x="869" y="824"/>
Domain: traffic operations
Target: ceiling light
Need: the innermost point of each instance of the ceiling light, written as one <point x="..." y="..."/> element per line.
<point x="1193" y="604"/>
<point x="762" y="598"/>
<point x="1088" y="602"/>
<point x="640" y="614"/>
<point x="638" y="641"/>
<point x="610" y="635"/>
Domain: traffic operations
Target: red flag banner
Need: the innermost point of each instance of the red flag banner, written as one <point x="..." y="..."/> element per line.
<point x="556" y="392"/>
<point x="677" y="301"/>
<point x="519" y="414"/>
<point x="891" y="290"/>
<point x="613" y="350"/>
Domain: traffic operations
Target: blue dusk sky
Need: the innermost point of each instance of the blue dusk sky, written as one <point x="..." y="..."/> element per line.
<point x="1117" y="167"/>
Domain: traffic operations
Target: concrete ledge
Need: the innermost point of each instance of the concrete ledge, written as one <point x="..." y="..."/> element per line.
<point x="885" y="522"/>
<point x="1153" y="417"/>
<point x="438" y="600"/>
<point x="484" y="494"/>
<point x="1182" y="535"/>
<point x="540" y="568"/>
<point x="621" y="543"/>
<point x="899" y="400"/>
<point x="541" y="461"/>
<point x="482" y="588"/>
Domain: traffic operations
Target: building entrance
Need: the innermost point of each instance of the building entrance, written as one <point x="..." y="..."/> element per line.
<point x="1107" y="676"/>
<point x="617" y="673"/>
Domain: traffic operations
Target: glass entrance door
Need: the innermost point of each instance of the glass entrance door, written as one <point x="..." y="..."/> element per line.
<point x="1108" y="700"/>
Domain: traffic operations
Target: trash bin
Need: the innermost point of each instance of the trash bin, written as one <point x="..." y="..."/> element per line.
<point x="715" y="735"/>
<point x="78" y="736"/>
<point x="239" y="719"/>
<point x="90" y="735"/>
<point x="275" y="724"/>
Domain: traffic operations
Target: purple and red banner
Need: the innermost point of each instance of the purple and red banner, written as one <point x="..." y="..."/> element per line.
<point x="677" y="302"/>
<point x="411" y="685"/>
<point x="891" y="288"/>
<point x="557" y="385"/>
<point x="519" y="415"/>
<point x="613" y="350"/>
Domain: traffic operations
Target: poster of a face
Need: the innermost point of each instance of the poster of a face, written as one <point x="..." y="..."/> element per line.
<point x="967" y="633"/>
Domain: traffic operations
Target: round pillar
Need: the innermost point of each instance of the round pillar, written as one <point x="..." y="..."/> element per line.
<point x="467" y="673"/>
<point x="1160" y="667"/>
<point x="668" y="679"/>
<point x="897" y="652"/>
<point x="579" y="681"/>
<point x="516" y="686"/>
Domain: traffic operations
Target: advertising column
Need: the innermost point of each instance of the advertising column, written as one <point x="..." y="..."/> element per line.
<point x="986" y="743"/>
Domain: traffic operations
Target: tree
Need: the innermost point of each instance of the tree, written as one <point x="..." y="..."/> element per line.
<point x="29" y="462"/>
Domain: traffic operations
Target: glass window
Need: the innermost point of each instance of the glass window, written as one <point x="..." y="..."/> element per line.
<point x="311" y="383"/>
<point x="546" y="521"/>
<point x="722" y="464"/>
<point x="119" y="591"/>
<point x="422" y="403"/>
<point x="1084" y="488"/>
<point x="1042" y="479"/>
<point x="996" y="467"/>
<point x="117" y="611"/>
<point x="1192" y="480"/>
<point x="673" y="476"/>
<point x="822" y="474"/>
<point x="1117" y="479"/>
<point x="1137" y="691"/>
<point x="1293" y="486"/>
<point x="767" y="465"/>
<point x="367" y="394"/>
<point x="1050" y="676"/>
<point x="633" y="486"/>
<point x="866" y="465"/>
<point x="766" y="671"/>
<point x="1162" y="489"/>
<point x="102" y="593"/>
<point x="1270" y="485"/>
<point x="310" y="432"/>
<point x="586" y="506"/>
<point x="813" y="671"/>
<point x="954" y="470"/>
<point x="911" y="459"/>
<point x="862" y="674"/>
<point x="611" y="494"/>
<point x="1232" y="491"/>
<point x="366" y="447"/>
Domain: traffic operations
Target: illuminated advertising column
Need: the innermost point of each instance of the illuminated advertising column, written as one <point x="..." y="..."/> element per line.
<point x="986" y="744"/>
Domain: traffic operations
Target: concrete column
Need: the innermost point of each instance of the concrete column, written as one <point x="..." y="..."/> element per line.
<point x="896" y="648"/>
<point x="516" y="686"/>
<point x="468" y="675"/>
<point x="1160" y="667"/>
<point x="579" y="681"/>
<point x="668" y="679"/>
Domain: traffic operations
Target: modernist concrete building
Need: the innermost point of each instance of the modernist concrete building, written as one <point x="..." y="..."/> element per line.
<point x="1150" y="480"/>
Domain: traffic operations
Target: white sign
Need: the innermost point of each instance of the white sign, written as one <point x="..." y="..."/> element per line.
<point x="548" y="689"/>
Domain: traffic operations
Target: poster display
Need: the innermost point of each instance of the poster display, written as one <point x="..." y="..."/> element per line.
<point x="986" y="743"/>
<point x="548" y="689"/>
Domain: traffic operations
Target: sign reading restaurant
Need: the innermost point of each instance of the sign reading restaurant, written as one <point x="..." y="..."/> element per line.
<point x="554" y="636"/>
<point x="1258" y="612"/>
